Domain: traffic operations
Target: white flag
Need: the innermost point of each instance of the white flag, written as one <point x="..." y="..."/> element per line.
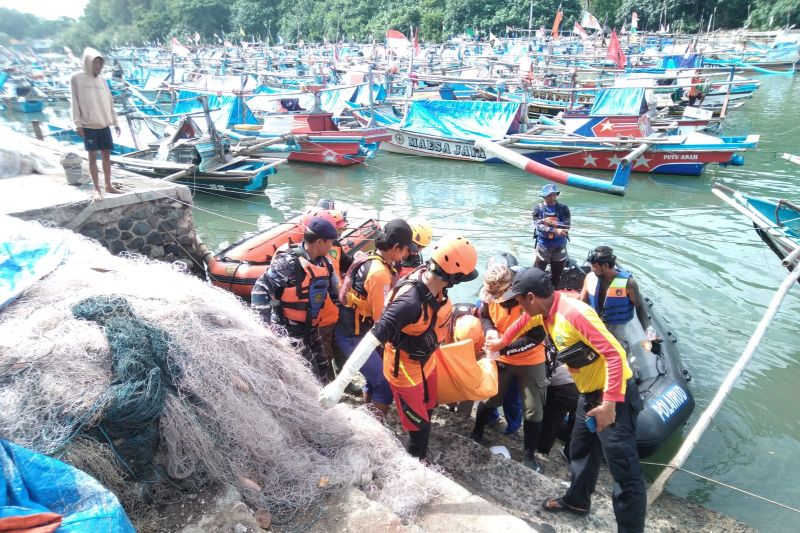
<point x="590" y="22"/>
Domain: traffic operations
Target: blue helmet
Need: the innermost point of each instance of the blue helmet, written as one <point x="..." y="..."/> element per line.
<point x="549" y="189"/>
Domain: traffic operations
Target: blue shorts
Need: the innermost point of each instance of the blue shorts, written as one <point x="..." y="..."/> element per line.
<point x="372" y="370"/>
<point x="94" y="140"/>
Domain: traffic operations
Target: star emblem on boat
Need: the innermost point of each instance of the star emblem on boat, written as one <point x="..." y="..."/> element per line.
<point x="590" y="160"/>
<point x="642" y="162"/>
<point x="613" y="161"/>
<point x="607" y="126"/>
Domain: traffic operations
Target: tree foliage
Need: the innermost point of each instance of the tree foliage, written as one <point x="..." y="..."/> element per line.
<point x="117" y="22"/>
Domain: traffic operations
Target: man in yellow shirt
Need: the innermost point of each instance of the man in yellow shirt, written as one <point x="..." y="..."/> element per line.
<point x="609" y="401"/>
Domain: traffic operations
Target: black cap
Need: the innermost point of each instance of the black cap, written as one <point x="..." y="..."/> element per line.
<point x="322" y="228"/>
<point x="398" y="231"/>
<point x="532" y="280"/>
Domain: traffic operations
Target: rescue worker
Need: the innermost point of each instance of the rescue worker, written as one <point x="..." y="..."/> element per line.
<point x="552" y="221"/>
<point x="365" y="287"/>
<point x="524" y="359"/>
<point x="291" y="293"/>
<point x="422" y="235"/>
<point x="614" y="294"/>
<point x="329" y="315"/>
<point x="512" y="401"/>
<point x="408" y="330"/>
<point x="608" y="396"/>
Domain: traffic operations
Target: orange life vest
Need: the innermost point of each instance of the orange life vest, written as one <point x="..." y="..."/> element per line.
<point x="503" y="318"/>
<point x="407" y="358"/>
<point x="329" y="314"/>
<point x="356" y="299"/>
<point x="302" y="303"/>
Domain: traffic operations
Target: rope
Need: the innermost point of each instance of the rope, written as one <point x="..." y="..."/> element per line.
<point x="726" y="485"/>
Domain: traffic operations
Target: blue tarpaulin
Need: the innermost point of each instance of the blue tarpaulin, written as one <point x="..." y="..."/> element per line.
<point x="24" y="259"/>
<point x="456" y="119"/>
<point x="34" y="483"/>
<point x="229" y="110"/>
<point x="618" y="101"/>
<point x="680" y="61"/>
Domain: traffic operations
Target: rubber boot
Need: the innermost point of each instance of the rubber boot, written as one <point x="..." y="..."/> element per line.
<point x="481" y="419"/>
<point x="531" y="431"/>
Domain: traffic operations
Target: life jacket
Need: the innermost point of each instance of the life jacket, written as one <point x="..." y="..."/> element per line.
<point x="330" y="311"/>
<point x="354" y="297"/>
<point x="617" y="307"/>
<point x="554" y="214"/>
<point x="503" y="319"/>
<point x="301" y="304"/>
<point x="415" y="343"/>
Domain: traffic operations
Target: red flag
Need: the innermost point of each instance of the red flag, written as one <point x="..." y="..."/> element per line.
<point x="577" y="30"/>
<point x="556" y="23"/>
<point x="615" y="53"/>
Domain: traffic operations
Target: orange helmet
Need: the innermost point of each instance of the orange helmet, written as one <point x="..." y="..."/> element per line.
<point x="468" y="327"/>
<point x="453" y="259"/>
<point x="317" y="212"/>
<point x="339" y="217"/>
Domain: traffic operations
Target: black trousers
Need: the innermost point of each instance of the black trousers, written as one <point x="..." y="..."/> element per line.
<point x="309" y="342"/>
<point x="561" y="399"/>
<point x="618" y="443"/>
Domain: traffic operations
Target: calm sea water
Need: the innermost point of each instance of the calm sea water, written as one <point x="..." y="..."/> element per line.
<point x="708" y="273"/>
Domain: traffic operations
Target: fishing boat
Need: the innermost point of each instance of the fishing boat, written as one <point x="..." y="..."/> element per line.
<point x="237" y="267"/>
<point x="321" y="141"/>
<point x="777" y="222"/>
<point x="661" y="378"/>
<point x="202" y="162"/>
<point x="599" y="138"/>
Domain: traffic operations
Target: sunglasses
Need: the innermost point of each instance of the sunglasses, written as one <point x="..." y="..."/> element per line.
<point x="595" y="258"/>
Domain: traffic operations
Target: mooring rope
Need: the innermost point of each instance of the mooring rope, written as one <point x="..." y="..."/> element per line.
<point x="726" y="485"/>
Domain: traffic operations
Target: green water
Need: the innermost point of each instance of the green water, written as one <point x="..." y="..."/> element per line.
<point x="709" y="274"/>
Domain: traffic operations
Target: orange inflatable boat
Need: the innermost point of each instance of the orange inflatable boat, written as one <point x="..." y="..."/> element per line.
<point x="237" y="267"/>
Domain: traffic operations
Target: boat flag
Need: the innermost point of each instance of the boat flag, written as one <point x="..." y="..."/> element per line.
<point x="577" y="30"/>
<point x="396" y="40"/>
<point x="634" y="22"/>
<point x="178" y="49"/>
<point x="196" y="38"/>
<point x="590" y="22"/>
<point x="241" y="31"/>
<point x="615" y="53"/>
<point x="557" y="23"/>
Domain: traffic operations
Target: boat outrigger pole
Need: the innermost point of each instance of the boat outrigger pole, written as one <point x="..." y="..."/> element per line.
<point x="617" y="186"/>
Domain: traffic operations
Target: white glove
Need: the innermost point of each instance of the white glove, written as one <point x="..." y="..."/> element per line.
<point x="332" y="392"/>
<point x="651" y="333"/>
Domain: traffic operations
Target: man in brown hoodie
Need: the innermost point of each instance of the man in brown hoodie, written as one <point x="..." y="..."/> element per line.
<point x="93" y="114"/>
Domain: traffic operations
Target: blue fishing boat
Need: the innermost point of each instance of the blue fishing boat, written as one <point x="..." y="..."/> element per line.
<point x="202" y="162"/>
<point x="777" y="222"/>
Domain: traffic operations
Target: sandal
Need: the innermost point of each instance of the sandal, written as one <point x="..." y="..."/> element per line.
<point x="558" y="505"/>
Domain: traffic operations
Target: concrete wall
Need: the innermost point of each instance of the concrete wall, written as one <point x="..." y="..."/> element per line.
<point x="151" y="218"/>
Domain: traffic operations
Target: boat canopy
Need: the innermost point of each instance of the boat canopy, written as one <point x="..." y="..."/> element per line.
<point x="618" y="101"/>
<point x="332" y="100"/>
<point x="462" y="119"/>
<point x="227" y="109"/>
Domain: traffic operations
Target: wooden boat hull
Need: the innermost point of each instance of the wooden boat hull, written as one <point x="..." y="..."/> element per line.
<point x="666" y="159"/>
<point x="237" y="267"/>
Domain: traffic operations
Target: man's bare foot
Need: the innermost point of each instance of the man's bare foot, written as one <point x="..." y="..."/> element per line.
<point x="97" y="195"/>
<point x="112" y="190"/>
